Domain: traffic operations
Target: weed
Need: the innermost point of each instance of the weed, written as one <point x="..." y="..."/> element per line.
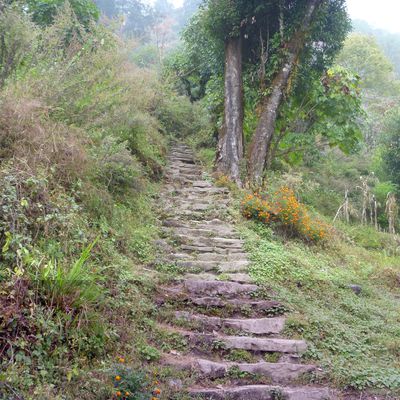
<point x="148" y="353"/>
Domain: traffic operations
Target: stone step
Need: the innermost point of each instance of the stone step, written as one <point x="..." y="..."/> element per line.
<point x="184" y="207"/>
<point x="182" y="159"/>
<point x="212" y="241"/>
<point x="196" y="173"/>
<point x="280" y="372"/>
<point x="236" y="277"/>
<point x="177" y="163"/>
<point x="222" y="257"/>
<point x="220" y="266"/>
<point x="262" y="392"/>
<point x="233" y="266"/>
<point x="256" y="326"/>
<point x="210" y="249"/>
<point x="217" y="288"/>
<point x="194" y="265"/>
<point x="200" y="232"/>
<point x="202" y="184"/>
<point x="216" y="341"/>
<point x="175" y="212"/>
<point x="184" y="227"/>
<point x="237" y="305"/>
<point x="182" y="175"/>
<point x="202" y="191"/>
<point x="254" y="344"/>
<point x="273" y="345"/>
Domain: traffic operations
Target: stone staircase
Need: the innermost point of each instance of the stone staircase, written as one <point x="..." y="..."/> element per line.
<point x="216" y="307"/>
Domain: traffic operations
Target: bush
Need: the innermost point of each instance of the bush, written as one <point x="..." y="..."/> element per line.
<point x="284" y="211"/>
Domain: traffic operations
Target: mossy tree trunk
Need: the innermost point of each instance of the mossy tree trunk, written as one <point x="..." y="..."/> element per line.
<point x="230" y="145"/>
<point x="261" y="142"/>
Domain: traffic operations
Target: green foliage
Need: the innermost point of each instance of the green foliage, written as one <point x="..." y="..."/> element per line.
<point x="322" y="112"/>
<point x="388" y="41"/>
<point x="362" y="55"/>
<point x="314" y="115"/>
<point x="44" y="12"/>
<point x="130" y="384"/>
<point x="73" y="287"/>
<point x="346" y="332"/>
<point x="81" y="152"/>
<point x="148" y="353"/>
<point x="391" y="147"/>
<point x="139" y="16"/>
<point x="16" y="44"/>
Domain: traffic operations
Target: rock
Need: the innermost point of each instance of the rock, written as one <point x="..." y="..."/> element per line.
<point x="355" y="288"/>
<point x="175" y="384"/>
<point x="213" y="288"/>
<point x="239" y="278"/>
<point x="277" y="372"/>
<point x="202" y="184"/>
<point x="262" y="344"/>
<point x="262" y="392"/>
<point x="233" y="266"/>
<point x="163" y="246"/>
<point x="210" y="249"/>
<point x="250" y="325"/>
<point x="236" y="304"/>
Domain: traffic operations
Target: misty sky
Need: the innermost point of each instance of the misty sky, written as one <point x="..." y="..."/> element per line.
<point x="382" y="14"/>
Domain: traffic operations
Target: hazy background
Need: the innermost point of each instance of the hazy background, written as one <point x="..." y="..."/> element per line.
<point x="383" y="14"/>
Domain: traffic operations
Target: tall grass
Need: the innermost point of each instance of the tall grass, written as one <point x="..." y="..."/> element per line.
<point x="69" y="287"/>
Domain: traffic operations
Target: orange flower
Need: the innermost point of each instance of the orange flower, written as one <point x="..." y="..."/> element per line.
<point x="127" y="394"/>
<point x="121" y="360"/>
<point x="117" y="378"/>
<point x="157" y="391"/>
<point x="118" y="394"/>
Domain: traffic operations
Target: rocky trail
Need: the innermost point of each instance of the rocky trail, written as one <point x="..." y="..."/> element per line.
<point x="233" y="327"/>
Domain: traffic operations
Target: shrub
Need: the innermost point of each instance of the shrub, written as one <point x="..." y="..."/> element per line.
<point x="283" y="210"/>
<point x="132" y="384"/>
<point x="16" y="38"/>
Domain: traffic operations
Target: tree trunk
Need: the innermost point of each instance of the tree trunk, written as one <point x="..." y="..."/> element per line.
<point x="263" y="135"/>
<point x="230" y="144"/>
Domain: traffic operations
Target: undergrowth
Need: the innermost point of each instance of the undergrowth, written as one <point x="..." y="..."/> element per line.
<point x="83" y="136"/>
<point x="354" y="337"/>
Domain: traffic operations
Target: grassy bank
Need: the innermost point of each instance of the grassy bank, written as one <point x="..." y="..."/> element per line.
<point x="83" y="134"/>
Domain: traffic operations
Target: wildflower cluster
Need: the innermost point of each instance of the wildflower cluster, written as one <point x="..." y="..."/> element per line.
<point x="132" y="385"/>
<point x="283" y="209"/>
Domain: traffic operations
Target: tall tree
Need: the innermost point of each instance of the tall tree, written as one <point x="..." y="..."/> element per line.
<point x="139" y="17"/>
<point x="225" y="23"/>
<point x="44" y="11"/>
<point x="282" y="41"/>
<point x="263" y="135"/>
<point x="230" y="144"/>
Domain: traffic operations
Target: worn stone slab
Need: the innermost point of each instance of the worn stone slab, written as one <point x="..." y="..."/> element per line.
<point x="239" y="278"/>
<point x="217" y="288"/>
<point x="236" y="304"/>
<point x="233" y="266"/>
<point x="264" y="344"/>
<point x="202" y="184"/>
<point x="262" y="392"/>
<point x="222" y="257"/>
<point x="198" y="265"/>
<point x="256" y="326"/>
<point x="210" y="249"/>
<point x="221" y="266"/>
<point x="277" y="372"/>
<point x="195" y="231"/>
